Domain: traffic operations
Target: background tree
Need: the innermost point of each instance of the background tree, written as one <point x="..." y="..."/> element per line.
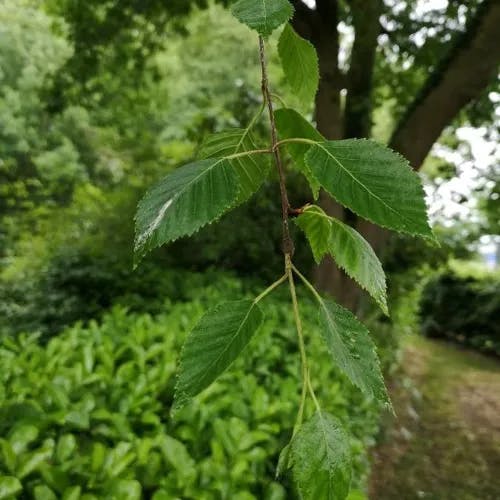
<point x="425" y="69"/>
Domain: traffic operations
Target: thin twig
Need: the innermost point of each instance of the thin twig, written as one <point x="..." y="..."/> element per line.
<point x="299" y="140"/>
<point x="288" y="247"/>
<point x="268" y="290"/>
<point x="302" y="347"/>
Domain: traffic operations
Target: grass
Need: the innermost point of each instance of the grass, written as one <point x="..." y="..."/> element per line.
<point x="445" y="443"/>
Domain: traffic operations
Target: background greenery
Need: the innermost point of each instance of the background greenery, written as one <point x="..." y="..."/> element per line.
<point x="88" y="348"/>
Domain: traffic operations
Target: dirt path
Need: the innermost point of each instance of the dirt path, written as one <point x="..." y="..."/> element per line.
<point x="445" y="443"/>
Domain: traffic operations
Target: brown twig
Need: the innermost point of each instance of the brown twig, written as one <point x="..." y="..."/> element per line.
<point x="288" y="247"/>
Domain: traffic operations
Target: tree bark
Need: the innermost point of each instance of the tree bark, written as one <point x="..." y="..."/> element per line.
<point x="358" y="113"/>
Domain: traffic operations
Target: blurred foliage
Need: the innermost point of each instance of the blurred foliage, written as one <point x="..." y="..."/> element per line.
<point x="464" y="308"/>
<point x="87" y="414"/>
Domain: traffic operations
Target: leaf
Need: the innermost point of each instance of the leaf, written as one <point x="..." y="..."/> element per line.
<point x="43" y="492"/>
<point x="300" y="64"/>
<point x="263" y="16"/>
<point x="72" y="493"/>
<point x="321" y="459"/>
<point x="65" y="448"/>
<point x="183" y="202"/>
<point x="32" y="461"/>
<point x="290" y="125"/>
<point x="8" y="455"/>
<point x="252" y="170"/>
<point x="22" y="436"/>
<point x="352" y="349"/>
<point x="9" y="487"/>
<point x="350" y="250"/>
<point x="283" y="461"/>
<point x="216" y="341"/>
<point x="373" y="181"/>
<point x="126" y="489"/>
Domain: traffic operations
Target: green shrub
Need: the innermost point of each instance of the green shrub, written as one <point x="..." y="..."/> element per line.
<point x="462" y="308"/>
<point x="87" y="414"/>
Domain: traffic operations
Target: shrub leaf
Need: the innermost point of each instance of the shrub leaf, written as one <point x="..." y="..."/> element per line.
<point x="9" y="486"/>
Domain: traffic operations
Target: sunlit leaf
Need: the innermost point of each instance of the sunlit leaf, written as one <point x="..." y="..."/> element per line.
<point x="9" y="486"/>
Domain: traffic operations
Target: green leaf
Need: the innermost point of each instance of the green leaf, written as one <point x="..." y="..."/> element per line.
<point x="318" y="229"/>
<point x="183" y="202"/>
<point x="126" y="489"/>
<point x="373" y="181"/>
<point x="252" y="170"/>
<point x="300" y="64"/>
<point x="283" y="461"/>
<point x="216" y="341"/>
<point x="32" y="461"/>
<point x="42" y="492"/>
<point x="7" y="455"/>
<point x="9" y="487"/>
<point x="350" y="250"/>
<point x="263" y="16"/>
<point x="65" y="448"/>
<point x="352" y="349"/>
<point x="22" y="436"/>
<point x="72" y="493"/>
<point x="290" y="125"/>
<point x="321" y="459"/>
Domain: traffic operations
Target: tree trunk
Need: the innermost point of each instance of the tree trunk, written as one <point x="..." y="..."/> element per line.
<point x="461" y="77"/>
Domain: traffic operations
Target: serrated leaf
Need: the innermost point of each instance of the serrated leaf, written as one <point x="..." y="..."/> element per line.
<point x="263" y="16"/>
<point x="9" y="487"/>
<point x="300" y="64"/>
<point x="290" y="125"/>
<point x="373" y="181"/>
<point x="321" y="459"/>
<point x="183" y="202"/>
<point x="327" y="235"/>
<point x="213" y="345"/>
<point x="352" y="349"/>
<point x="252" y="170"/>
<point x="283" y="461"/>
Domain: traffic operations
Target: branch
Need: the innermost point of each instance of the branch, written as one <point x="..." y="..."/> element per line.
<point x="288" y="247"/>
<point x="459" y="79"/>
<point x="360" y="79"/>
